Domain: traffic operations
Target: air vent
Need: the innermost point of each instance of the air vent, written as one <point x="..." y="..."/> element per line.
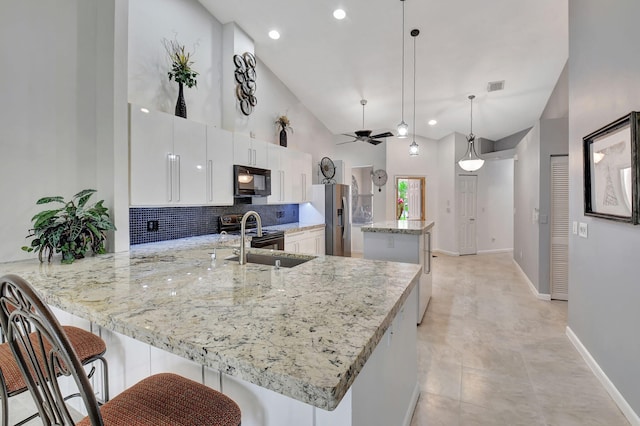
<point x="494" y="86"/>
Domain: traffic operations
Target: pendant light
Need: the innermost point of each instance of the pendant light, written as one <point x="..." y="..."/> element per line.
<point x="403" y="128"/>
<point x="414" y="147"/>
<point x="471" y="162"/>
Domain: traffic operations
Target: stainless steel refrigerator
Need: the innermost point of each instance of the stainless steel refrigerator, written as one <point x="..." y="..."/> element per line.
<point x="337" y="215"/>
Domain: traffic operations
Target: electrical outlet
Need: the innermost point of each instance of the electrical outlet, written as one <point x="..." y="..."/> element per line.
<point x="280" y="214"/>
<point x="152" y="226"/>
<point x="582" y="230"/>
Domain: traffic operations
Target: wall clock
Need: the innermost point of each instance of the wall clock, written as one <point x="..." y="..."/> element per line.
<point x="379" y="178"/>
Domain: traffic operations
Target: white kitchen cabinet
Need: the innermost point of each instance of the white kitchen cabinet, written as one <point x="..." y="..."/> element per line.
<point x="167" y="164"/>
<point x="219" y="167"/>
<point x="305" y="242"/>
<point x="403" y="241"/>
<point x="189" y="167"/>
<point x="290" y="175"/>
<point x="151" y="143"/>
<point x="301" y="176"/>
<point x="248" y="151"/>
<point x="279" y="164"/>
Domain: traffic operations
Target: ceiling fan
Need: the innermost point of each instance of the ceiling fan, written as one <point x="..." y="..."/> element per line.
<point x="365" y="135"/>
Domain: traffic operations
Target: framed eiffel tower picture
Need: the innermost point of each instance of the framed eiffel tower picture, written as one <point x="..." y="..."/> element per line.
<point x="611" y="170"/>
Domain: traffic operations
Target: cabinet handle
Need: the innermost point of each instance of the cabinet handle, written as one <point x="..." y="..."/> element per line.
<point x="169" y="176"/>
<point x="177" y="178"/>
<point x="427" y="254"/>
<point x="255" y="158"/>
<point x="249" y="152"/>
<point x="210" y="181"/>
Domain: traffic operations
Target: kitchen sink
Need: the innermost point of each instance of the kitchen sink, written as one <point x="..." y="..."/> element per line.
<point x="270" y="259"/>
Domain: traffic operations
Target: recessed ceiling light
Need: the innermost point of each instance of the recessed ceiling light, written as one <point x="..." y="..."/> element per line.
<point x="146" y="111"/>
<point x="339" y="14"/>
<point x="274" y="34"/>
<point x="433" y="122"/>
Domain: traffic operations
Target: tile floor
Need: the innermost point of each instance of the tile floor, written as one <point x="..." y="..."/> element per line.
<point x="490" y="353"/>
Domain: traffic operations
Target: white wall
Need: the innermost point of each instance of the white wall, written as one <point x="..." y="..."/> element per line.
<point x="446" y="238"/>
<point x="604" y="287"/>
<point x="151" y="21"/>
<point x="400" y="163"/>
<point x="58" y="106"/>
<point x="494" y="216"/>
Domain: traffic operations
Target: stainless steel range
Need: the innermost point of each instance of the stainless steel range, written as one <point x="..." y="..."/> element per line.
<point x="230" y="223"/>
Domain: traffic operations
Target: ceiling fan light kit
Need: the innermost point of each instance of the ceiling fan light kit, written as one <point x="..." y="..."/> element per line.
<point x="471" y="162"/>
<point x="403" y="128"/>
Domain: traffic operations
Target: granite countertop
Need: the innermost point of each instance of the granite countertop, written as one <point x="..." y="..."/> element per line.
<point x="416" y="227"/>
<point x="304" y="332"/>
<point x="289" y="228"/>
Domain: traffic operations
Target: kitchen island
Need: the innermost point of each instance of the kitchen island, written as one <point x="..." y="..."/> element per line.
<point x="324" y="343"/>
<point x="403" y="241"/>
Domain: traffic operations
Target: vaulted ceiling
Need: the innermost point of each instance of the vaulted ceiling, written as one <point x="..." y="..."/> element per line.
<point x="463" y="44"/>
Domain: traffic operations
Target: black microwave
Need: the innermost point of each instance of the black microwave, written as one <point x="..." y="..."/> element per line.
<point x="251" y="181"/>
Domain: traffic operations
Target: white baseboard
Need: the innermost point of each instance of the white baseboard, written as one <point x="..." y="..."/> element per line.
<point x="504" y="250"/>
<point x="448" y="253"/>
<point x="617" y="397"/>
<point x="534" y="290"/>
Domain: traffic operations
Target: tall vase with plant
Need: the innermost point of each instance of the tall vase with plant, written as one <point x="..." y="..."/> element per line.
<point x="285" y="125"/>
<point x="181" y="71"/>
<point x="72" y="229"/>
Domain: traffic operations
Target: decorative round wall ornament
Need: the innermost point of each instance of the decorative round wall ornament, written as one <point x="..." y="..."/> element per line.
<point x="245" y="76"/>
<point x="379" y="178"/>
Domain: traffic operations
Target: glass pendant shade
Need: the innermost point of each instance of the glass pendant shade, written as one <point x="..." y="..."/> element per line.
<point x="403" y="130"/>
<point x="471" y="162"/>
<point x="414" y="149"/>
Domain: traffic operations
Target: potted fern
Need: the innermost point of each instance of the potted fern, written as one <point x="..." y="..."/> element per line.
<point x="72" y="229"/>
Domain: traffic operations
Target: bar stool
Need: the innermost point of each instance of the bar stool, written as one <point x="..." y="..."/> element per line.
<point x="160" y="400"/>
<point x="88" y="347"/>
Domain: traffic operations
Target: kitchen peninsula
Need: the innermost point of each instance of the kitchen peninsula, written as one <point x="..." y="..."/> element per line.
<point x="329" y="342"/>
<point x="403" y="241"/>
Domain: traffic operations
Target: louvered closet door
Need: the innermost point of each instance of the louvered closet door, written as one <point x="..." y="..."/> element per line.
<point x="560" y="228"/>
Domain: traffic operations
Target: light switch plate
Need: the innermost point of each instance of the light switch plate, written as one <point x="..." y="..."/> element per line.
<point x="575" y="228"/>
<point x="582" y="230"/>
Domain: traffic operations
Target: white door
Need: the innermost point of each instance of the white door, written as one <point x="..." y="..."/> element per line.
<point x="414" y="194"/>
<point x="467" y="214"/>
<point x="560" y="228"/>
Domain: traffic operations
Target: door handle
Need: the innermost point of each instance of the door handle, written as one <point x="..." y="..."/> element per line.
<point x="472" y="219"/>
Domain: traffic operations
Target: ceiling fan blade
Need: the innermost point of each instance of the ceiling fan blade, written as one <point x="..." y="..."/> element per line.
<point x="347" y="134"/>
<point x="382" y="135"/>
<point x="374" y="141"/>
<point x="342" y="143"/>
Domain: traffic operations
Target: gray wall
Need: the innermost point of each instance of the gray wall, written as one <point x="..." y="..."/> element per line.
<point x="558" y="103"/>
<point x="510" y="141"/>
<point x="604" y="288"/>
<point x="526" y="183"/>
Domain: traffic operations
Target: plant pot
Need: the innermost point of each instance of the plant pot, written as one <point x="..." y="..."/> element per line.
<point x="181" y="106"/>
<point x="283" y="137"/>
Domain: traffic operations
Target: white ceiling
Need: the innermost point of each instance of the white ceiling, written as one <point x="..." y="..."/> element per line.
<point x="463" y="44"/>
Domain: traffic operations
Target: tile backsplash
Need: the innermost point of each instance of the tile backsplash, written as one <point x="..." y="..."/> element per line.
<point x="152" y="224"/>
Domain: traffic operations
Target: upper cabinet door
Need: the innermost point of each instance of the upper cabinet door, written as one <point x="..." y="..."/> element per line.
<point x="219" y="166"/>
<point x="190" y="149"/>
<point x="151" y="148"/>
<point x="249" y="152"/>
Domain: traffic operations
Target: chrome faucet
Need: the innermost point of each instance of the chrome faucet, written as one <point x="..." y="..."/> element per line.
<point x="242" y="258"/>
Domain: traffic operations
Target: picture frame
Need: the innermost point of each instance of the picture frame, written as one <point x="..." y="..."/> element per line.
<point x="611" y="170"/>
